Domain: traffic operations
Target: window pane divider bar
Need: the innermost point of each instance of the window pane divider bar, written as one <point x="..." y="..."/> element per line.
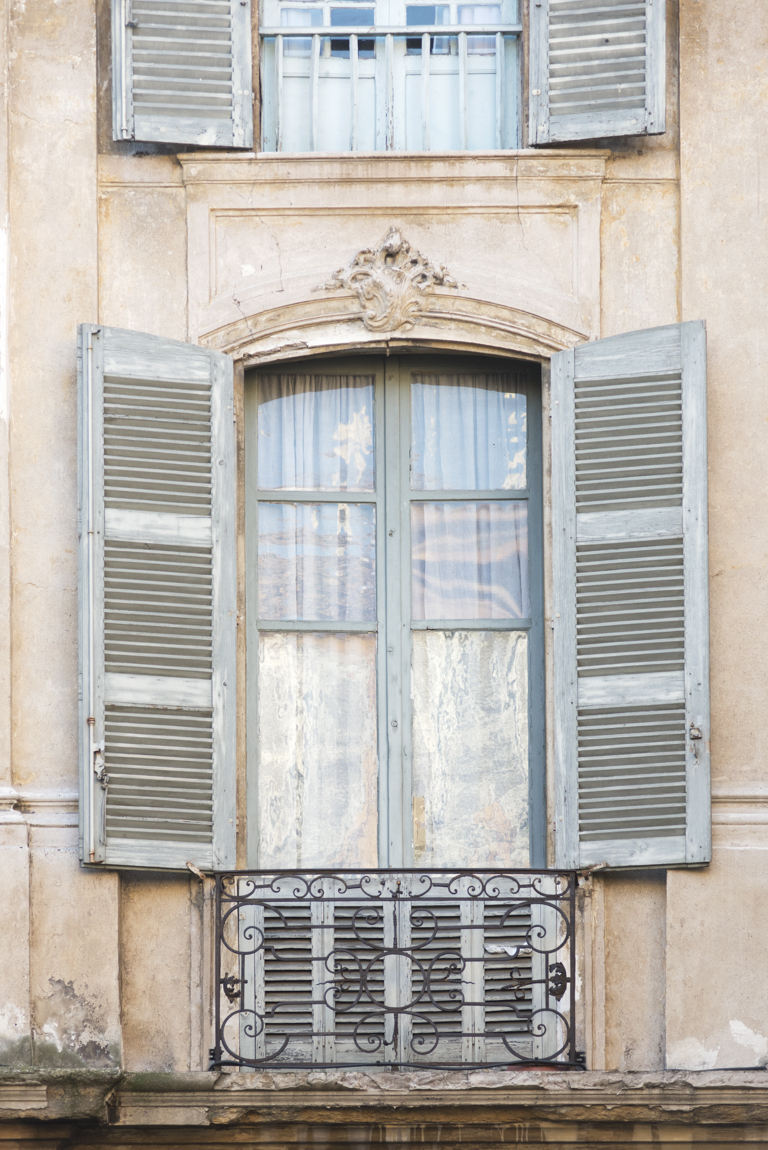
<point x="314" y="71"/>
<point x="336" y="626"/>
<point x="317" y="496"/>
<point x="500" y="63"/>
<point x="471" y="625"/>
<point x="472" y="496"/>
<point x="425" y="50"/>
<point x="397" y="30"/>
<point x="279" y="109"/>
<point x="390" y="73"/>
<point x="463" y="89"/>
<point x="355" y="77"/>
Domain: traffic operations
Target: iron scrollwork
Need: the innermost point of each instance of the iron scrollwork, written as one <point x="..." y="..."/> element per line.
<point x="395" y="968"/>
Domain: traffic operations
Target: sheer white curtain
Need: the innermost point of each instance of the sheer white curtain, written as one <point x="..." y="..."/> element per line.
<point x="468" y="431"/>
<point x="316" y="432"/>
<point x="318" y="762"/>
<point x="469" y="560"/>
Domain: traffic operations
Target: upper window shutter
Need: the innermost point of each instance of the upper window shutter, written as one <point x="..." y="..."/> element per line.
<point x="631" y="617"/>
<point x="597" y="68"/>
<point x="157" y="601"/>
<point x="181" y="72"/>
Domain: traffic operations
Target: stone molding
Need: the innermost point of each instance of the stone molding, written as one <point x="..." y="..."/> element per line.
<point x="334" y="325"/>
<point x="682" y="1099"/>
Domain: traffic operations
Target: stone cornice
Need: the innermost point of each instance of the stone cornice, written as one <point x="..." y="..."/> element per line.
<point x="348" y="1097"/>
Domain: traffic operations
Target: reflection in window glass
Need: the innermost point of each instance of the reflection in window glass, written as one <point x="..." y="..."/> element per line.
<point x="317" y="561"/>
<point x="469" y="560"/>
<point x="480" y="14"/>
<point x="299" y="18"/>
<point x="352" y="17"/>
<point x="468" y="433"/>
<point x="316" y="433"/>
<point x="318" y="767"/>
<point x="470" y="747"/>
<point x="425" y="14"/>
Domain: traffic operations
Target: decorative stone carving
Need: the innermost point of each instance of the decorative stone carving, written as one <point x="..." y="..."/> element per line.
<point x="391" y="282"/>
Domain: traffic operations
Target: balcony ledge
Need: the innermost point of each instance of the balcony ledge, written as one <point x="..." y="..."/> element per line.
<point x="338" y="1098"/>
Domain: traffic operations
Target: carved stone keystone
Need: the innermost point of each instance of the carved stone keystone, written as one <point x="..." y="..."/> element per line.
<point x="391" y="283"/>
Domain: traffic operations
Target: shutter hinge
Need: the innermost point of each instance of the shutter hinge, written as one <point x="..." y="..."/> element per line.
<point x="131" y="23"/>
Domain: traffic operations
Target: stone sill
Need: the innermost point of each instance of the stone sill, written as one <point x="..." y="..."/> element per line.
<point x="352" y="1097"/>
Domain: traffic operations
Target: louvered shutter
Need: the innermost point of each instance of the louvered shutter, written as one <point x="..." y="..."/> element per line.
<point x="629" y="465"/>
<point x="181" y="72"/>
<point x="597" y="68"/>
<point x="157" y="601"/>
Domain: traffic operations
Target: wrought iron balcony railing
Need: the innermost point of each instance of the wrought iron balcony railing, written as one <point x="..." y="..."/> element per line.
<point x="451" y="969"/>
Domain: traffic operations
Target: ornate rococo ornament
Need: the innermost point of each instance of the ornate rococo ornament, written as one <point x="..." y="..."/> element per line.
<point x="391" y="283"/>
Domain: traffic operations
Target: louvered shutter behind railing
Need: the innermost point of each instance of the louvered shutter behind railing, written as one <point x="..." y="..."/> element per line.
<point x="181" y="72"/>
<point x="597" y="69"/>
<point x="629" y="465"/>
<point x="157" y="602"/>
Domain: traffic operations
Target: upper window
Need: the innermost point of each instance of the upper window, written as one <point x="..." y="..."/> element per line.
<point x="394" y="599"/>
<point x="356" y="76"/>
<point x="385" y="80"/>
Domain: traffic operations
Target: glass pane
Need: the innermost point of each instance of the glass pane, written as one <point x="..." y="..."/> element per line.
<point x="468" y="432"/>
<point x="299" y="18"/>
<point x="480" y="14"/>
<point x="469" y="560"/>
<point x="317" y="781"/>
<point x="470" y="748"/>
<point x="316" y="432"/>
<point x="317" y="561"/>
<point x="352" y="17"/>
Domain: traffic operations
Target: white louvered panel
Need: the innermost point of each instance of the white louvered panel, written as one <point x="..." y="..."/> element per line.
<point x="597" y="56"/>
<point x="183" y="58"/>
<point x="507" y="1008"/>
<point x="288" y="984"/>
<point x="630" y="599"/>
<point x="160" y="765"/>
<point x="157" y="446"/>
<point x="436" y="980"/>
<point x="157" y="607"/>
<point x="358" y="932"/>
<point x="628" y="443"/>
<point x="632" y="781"/>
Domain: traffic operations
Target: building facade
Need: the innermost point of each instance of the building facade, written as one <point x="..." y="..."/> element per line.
<point x="382" y="589"/>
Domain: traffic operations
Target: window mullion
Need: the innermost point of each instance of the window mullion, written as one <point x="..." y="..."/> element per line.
<point x="393" y="720"/>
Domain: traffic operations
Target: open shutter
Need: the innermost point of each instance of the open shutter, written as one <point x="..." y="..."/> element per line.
<point x="181" y="72"/>
<point x="597" y="68"/>
<point x="629" y="465"/>
<point x="157" y="601"/>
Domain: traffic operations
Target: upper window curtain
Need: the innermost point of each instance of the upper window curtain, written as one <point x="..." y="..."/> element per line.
<point x="181" y="72"/>
<point x="631" y="616"/>
<point x="157" y="614"/>
<point x="597" y="69"/>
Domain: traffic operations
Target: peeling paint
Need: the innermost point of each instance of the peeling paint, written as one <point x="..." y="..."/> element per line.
<point x="751" y="1039"/>
<point x="691" y="1054"/>
<point x="72" y="1034"/>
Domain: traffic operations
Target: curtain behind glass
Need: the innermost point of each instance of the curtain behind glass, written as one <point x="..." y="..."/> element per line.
<point x="468" y="430"/>
<point x="316" y="432"/>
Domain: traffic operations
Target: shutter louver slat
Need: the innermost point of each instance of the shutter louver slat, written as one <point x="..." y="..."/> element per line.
<point x="597" y="70"/>
<point x="182" y="71"/>
<point x="630" y="577"/>
<point x="162" y="604"/>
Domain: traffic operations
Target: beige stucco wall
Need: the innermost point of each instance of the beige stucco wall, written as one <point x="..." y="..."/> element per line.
<point x="554" y="247"/>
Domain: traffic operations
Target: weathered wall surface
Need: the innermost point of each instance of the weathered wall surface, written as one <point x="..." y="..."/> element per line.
<point x="560" y="245"/>
<point x="716" y="1009"/>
